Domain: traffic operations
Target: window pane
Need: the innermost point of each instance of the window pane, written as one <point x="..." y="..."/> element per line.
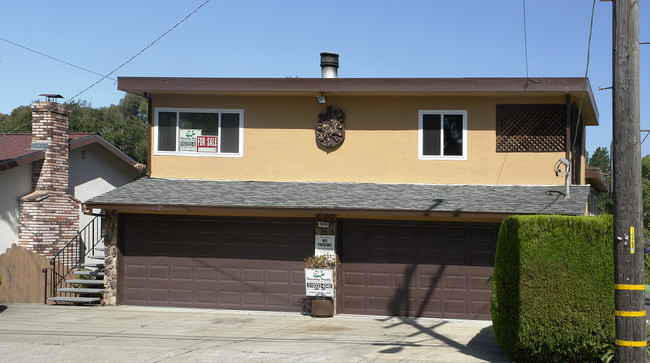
<point x="430" y="134"/>
<point x="453" y="134"/>
<point x="167" y="131"/>
<point x="194" y="124"/>
<point x="229" y="133"/>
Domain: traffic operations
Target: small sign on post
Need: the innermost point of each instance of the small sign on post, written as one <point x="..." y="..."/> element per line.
<point x="325" y="245"/>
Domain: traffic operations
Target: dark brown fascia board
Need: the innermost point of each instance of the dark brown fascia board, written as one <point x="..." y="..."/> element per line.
<point x="597" y="179"/>
<point x="95" y="138"/>
<point x="149" y="208"/>
<point x="392" y="86"/>
<point x="29" y="158"/>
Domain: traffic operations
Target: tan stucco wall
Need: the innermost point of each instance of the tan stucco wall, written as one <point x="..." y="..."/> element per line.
<point x="381" y="144"/>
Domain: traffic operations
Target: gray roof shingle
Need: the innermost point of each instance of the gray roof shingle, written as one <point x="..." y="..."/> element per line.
<point x="506" y="199"/>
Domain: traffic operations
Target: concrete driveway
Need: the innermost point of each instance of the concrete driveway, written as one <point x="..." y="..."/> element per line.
<point x="50" y="333"/>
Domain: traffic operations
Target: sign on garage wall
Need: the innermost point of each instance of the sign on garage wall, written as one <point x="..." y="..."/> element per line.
<point x="325" y="245"/>
<point x="319" y="282"/>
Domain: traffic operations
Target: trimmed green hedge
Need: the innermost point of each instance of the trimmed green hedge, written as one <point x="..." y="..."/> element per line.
<point x="553" y="288"/>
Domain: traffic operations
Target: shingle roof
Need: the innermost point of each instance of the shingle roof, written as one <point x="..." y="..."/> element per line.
<point x="16" y="149"/>
<point x="148" y="193"/>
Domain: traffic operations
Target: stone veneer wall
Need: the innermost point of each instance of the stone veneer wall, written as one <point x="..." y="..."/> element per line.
<point x="109" y="224"/>
<point x="49" y="216"/>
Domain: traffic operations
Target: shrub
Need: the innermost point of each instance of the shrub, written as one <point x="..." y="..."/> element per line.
<point x="322" y="262"/>
<point x="553" y="288"/>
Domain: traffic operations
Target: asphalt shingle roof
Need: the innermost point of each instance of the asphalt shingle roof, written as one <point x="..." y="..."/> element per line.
<point x="508" y="199"/>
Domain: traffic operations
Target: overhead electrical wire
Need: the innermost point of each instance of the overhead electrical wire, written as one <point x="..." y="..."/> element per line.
<point x="54" y="58"/>
<point x="114" y="70"/>
<point x="584" y="84"/>
<point x="137" y="54"/>
<point x="525" y="39"/>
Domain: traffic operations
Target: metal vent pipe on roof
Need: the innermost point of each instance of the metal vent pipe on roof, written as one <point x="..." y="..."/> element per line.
<point x="329" y="65"/>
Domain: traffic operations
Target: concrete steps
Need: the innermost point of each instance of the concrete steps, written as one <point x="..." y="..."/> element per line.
<point x="75" y="299"/>
<point x="89" y="284"/>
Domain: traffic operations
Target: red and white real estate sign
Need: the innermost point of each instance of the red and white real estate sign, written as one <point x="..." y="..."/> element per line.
<point x="208" y="144"/>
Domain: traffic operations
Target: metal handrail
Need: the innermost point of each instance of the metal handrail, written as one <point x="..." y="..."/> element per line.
<point x="72" y="255"/>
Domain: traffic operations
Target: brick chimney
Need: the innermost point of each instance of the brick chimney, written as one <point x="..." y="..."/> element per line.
<point x="50" y="133"/>
<point x="49" y="216"/>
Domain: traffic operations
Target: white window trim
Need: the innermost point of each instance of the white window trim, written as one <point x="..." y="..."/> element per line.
<point x="420" y="135"/>
<point x="157" y="110"/>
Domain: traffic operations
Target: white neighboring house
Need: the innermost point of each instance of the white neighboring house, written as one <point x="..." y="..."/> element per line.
<point x="95" y="167"/>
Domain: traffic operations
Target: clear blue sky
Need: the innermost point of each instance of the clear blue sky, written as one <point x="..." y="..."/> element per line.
<point x="261" y="38"/>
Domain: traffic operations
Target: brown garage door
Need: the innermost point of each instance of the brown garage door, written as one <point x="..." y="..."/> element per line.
<point x="417" y="269"/>
<point x="207" y="262"/>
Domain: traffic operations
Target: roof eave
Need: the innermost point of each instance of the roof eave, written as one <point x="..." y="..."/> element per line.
<point x="577" y="87"/>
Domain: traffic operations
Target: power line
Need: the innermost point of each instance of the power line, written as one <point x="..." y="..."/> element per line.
<point x="525" y="38"/>
<point x="584" y="84"/>
<point x="54" y="58"/>
<point x="137" y="54"/>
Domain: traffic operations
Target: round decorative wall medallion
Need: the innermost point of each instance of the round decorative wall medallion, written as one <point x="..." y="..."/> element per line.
<point x="330" y="129"/>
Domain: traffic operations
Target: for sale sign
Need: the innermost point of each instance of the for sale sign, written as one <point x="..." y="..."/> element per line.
<point x="319" y="282"/>
<point x="207" y="144"/>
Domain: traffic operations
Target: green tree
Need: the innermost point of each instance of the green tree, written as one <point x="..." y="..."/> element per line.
<point x="645" y="185"/>
<point x="123" y="125"/>
<point x="19" y="121"/>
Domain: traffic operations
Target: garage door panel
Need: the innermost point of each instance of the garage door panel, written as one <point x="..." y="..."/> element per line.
<point x="254" y="300"/>
<point x="252" y="276"/>
<point x="481" y="283"/>
<point x="380" y="254"/>
<point x="444" y="276"/>
<point x="482" y="234"/>
<point x="429" y="256"/>
<point x="430" y="233"/>
<point x="403" y="255"/>
<point x="207" y="227"/>
<point x="182" y="273"/>
<point x="456" y="257"/>
<point x="212" y="272"/>
<point x="354" y="278"/>
<point x="455" y="233"/>
<point x="230" y="298"/>
<point x="279" y="276"/>
<point x="455" y="283"/>
<point x="158" y="272"/>
<point x="229" y="274"/>
<point x="160" y="295"/>
<point x="135" y="271"/>
<point x="206" y="249"/>
<point x="206" y="298"/>
<point x="182" y="249"/>
<point x="136" y="294"/>
<point x="379" y="279"/>
<point x="182" y="296"/>
<point x="482" y="258"/>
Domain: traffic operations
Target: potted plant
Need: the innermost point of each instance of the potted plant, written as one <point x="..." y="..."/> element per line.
<point x="319" y="282"/>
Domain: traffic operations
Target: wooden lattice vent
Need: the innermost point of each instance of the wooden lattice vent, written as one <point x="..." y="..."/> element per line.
<point x="531" y="128"/>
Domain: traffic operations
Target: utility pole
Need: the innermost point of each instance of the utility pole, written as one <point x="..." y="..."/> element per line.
<point x="629" y="275"/>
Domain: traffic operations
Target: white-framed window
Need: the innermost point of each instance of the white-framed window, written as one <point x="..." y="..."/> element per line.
<point x="198" y="132"/>
<point x="442" y="135"/>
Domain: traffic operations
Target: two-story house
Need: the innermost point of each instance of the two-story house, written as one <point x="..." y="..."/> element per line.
<point x="412" y="177"/>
